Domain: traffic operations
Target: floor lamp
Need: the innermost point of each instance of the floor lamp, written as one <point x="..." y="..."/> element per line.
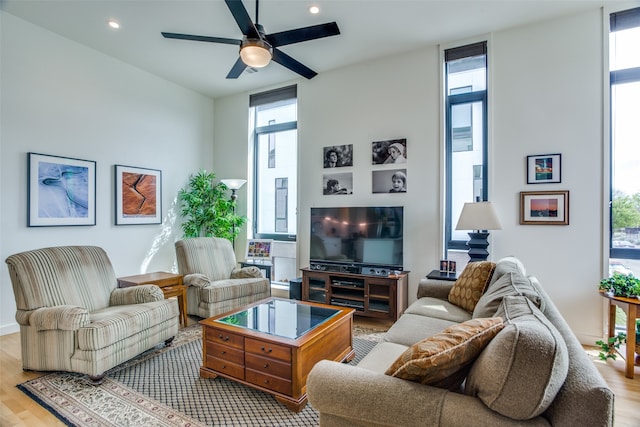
<point x="479" y="216"/>
<point x="234" y="185"/>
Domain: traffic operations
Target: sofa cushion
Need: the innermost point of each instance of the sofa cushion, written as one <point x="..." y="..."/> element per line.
<point x="471" y="284"/>
<point x="512" y="283"/>
<point x="382" y="356"/>
<point x="411" y="328"/>
<point x="442" y="360"/>
<point x="522" y="369"/>
<point x="439" y="309"/>
<point x="506" y="265"/>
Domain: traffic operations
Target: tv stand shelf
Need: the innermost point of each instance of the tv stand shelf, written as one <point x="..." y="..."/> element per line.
<point x="371" y="296"/>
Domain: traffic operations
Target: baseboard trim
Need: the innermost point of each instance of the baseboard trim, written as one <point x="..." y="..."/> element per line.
<point x="9" y="329"/>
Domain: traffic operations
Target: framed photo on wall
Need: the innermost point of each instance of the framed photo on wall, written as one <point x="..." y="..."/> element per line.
<point x="544" y="168"/>
<point x="544" y="207"/>
<point x="338" y="156"/>
<point x="61" y="191"/>
<point x="138" y="195"/>
<point x="392" y="151"/>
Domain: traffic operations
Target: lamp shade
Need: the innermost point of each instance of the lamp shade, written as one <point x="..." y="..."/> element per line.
<point x="478" y="216"/>
<point x="255" y="53"/>
<point x="233" y="184"/>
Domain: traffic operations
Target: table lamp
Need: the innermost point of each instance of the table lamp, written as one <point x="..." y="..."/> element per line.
<point x="478" y="216"/>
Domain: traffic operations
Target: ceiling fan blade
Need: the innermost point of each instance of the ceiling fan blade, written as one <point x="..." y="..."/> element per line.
<point x="237" y="69"/>
<point x="303" y="34"/>
<point x="295" y="66"/>
<point x="201" y="38"/>
<point x="242" y="18"/>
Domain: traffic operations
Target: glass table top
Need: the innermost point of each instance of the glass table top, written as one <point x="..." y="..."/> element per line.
<point x="285" y="318"/>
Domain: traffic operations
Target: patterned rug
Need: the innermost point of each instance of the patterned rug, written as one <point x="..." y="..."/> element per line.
<point x="162" y="387"/>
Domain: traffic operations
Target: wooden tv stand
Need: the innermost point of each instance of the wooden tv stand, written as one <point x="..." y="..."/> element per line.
<point x="372" y="296"/>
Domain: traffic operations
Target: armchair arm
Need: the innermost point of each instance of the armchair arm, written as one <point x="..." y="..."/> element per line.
<point x="370" y="398"/>
<point x="434" y="288"/>
<point x="136" y="295"/>
<point x="246" y="272"/>
<point x="64" y="317"/>
<point x="196" y="279"/>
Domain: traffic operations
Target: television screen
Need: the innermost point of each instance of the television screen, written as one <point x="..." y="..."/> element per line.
<point x="357" y="235"/>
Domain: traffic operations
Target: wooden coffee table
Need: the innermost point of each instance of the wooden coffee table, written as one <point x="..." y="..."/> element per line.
<point x="170" y="284"/>
<point x="271" y="345"/>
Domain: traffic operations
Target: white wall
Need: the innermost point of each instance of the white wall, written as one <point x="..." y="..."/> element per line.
<point x="545" y="97"/>
<point x="64" y="99"/>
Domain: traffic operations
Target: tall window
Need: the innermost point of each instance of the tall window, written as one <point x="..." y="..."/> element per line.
<point x="624" y="78"/>
<point x="466" y="137"/>
<point x="274" y="119"/>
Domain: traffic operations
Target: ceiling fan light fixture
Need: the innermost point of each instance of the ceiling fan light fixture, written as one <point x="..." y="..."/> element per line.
<point x="255" y="53"/>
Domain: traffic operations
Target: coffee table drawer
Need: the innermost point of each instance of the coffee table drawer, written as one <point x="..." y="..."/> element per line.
<point x="225" y="367"/>
<point x="268" y="381"/>
<point x="225" y="352"/>
<point x="268" y="366"/>
<point x="267" y="349"/>
<point x="223" y="337"/>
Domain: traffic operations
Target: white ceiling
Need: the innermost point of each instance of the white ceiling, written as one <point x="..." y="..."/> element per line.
<point x="369" y="29"/>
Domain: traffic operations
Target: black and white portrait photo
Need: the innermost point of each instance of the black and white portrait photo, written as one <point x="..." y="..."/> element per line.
<point x="338" y="156"/>
<point x="337" y="183"/>
<point x="389" y="181"/>
<point x="390" y="151"/>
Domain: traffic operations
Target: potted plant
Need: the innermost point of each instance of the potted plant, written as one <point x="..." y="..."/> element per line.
<point x="207" y="210"/>
<point x="621" y="285"/>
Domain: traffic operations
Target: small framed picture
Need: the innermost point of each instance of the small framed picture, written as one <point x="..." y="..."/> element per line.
<point x="452" y="267"/>
<point x="61" y="191"/>
<point x="138" y="195"/>
<point x="544" y="207"/>
<point x="544" y="168"/>
<point x="259" y="249"/>
<point x="444" y="266"/>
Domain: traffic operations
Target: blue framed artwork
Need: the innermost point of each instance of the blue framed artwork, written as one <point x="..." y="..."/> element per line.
<point x="544" y="168"/>
<point x="61" y="191"/>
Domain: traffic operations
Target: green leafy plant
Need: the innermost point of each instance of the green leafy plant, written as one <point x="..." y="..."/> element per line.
<point x="622" y="285"/>
<point x="608" y="348"/>
<point x="207" y="210"/>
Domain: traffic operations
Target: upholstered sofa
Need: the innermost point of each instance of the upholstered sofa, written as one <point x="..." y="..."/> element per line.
<point x="215" y="282"/>
<point x="73" y="317"/>
<point x="532" y="371"/>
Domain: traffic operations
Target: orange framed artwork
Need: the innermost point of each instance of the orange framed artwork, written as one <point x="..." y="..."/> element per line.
<point x="138" y="195"/>
<point x="544" y="208"/>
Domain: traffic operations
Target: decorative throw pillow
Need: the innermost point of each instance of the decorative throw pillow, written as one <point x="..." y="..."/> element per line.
<point x="443" y="359"/>
<point x="522" y="369"/>
<point x="471" y="284"/>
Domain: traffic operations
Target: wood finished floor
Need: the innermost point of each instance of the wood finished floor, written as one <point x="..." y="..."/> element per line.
<point x="16" y="409"/>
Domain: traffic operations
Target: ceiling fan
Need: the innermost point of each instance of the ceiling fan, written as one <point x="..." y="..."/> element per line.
<point x="257" y="49"/>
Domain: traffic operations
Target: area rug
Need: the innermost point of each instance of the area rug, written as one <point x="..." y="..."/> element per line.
<point x="163" y="388"/>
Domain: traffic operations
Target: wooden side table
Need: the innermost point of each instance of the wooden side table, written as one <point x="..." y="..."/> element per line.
<point x="170" y="284"/>
<point x="631" y="307"/>
<point x="265" y="266"/>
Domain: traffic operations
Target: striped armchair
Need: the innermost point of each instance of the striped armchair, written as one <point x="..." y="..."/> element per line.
<point x="215" y="283"/>
<point x="73" y="317"/>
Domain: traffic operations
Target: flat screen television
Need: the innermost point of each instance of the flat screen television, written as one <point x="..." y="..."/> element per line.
<point x="361" y="236"/>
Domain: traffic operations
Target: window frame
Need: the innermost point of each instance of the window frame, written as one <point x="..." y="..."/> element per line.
<point x="458" y="99"/>
<point x="619" y="20"/>
<point x="270" y="130"/>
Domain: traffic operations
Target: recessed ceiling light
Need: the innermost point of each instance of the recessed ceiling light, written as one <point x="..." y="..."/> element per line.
<point x="314" y="9"/>
<point x="113" y="24"/>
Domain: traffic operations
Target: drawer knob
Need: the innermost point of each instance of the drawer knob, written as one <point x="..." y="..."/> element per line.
<point x="266" y="381"/>
<point x="266" y="365"/>
<point x="223" y="352"/>
<point x="266" y="350"/>
<point x="223" y="338"/>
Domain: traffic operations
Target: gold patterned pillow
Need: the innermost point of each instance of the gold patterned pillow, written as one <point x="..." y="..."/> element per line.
<point x="471" y="284"/>
<point x="444" y="359"/>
